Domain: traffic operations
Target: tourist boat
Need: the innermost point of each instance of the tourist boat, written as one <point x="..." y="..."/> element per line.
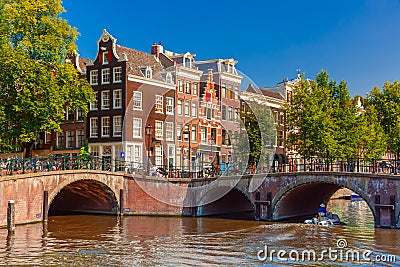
<point x="329" y="220"/>
<point x="355" y="197"/>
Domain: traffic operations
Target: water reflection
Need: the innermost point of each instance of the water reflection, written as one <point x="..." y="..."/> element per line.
<point x="155" y="241"/>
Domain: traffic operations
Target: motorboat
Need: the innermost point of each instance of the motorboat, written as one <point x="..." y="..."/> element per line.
<point x="329" y="220"/>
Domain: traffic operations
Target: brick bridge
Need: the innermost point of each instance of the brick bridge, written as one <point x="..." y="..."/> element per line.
<point x="280" y="195"/>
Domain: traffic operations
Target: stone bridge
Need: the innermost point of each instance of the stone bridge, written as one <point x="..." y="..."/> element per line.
<point x="280" y="195"/>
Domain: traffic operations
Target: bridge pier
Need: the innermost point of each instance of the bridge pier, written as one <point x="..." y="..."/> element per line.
<point x="385" y="216"/>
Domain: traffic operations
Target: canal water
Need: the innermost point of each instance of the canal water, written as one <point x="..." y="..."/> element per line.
<point x="174" y="241"/>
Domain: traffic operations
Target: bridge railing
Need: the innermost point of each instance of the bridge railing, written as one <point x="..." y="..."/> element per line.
<point x="12" y="166"/>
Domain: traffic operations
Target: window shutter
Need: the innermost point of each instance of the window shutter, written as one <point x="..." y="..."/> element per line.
<point x="100" y="57"/>
<point x="109" y="56"/>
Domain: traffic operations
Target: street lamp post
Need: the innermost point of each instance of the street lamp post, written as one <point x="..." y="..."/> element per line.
<point x="187" y="133"/>
<point x="149" y="132"/>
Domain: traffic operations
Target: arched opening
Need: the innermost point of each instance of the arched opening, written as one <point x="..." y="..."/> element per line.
<point x="84" y="197"/>
<point x="302" y="202"/>
<point x="234" y="204"/>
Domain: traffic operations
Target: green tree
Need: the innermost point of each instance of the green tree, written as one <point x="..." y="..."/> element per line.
<point x="309" y="118"/>
<point x="323" y="120"/>
<point x="36" y="80"/>
<point x="370" y="135"/>
<point x="387" y="106"/>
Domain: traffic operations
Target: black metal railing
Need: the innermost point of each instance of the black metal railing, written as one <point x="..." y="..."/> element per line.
<point x="14" y="165"/>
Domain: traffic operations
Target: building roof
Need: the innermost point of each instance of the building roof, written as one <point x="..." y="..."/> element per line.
<point x="82" y="64"/>
<point x="270" y="93"/>
<point x="138" y="59"/>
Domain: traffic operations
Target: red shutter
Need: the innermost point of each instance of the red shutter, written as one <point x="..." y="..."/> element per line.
<point x="100" y="57"/>
<point x="208" y="96"/>
<point x="109" y="56"/>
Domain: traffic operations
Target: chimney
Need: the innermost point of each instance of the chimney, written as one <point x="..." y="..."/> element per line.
<point x="156" y="49"/>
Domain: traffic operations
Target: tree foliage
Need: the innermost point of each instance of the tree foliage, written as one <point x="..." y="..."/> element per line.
<point x="36" y="80"/>
<point x="387" y="106"/>
<point x="323" y="121"/>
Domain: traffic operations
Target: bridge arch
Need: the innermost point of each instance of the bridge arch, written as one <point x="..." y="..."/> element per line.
<point x="303" y="198"/>
<point x="234" y="201"/>
<point x="83" y="195"/>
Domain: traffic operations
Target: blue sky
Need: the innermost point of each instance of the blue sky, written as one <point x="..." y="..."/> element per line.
<point x="356" y="41"/>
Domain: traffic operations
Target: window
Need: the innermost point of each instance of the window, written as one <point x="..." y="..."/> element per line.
<point x="223" y="137"/>
<point x="276" y="117"/>
<point x="230" y="114"/>
<point x="80" y="138"/>
<point x="171" y="156"/>
<point x="147" y="72"/>
<point x="159" y="155"/>
<point x="134" y="153"/>
<point x="79" y="114"/>
<point x="118" y="74"/>
<point x="194" y="87"/>
<point x="105" y="76"/>
<point x="280" y="138"/>
<point x="281" y="118"/>
<point x="105" y="99"/>
<point x="93" y="103"/>
<point x="180" y="86"/>
<point x="47" y="138"/>
<point x="180" y="103"/>
<point x="118" y="98"/>
<point x="105" y="57"/>
<point x="159" y="103"/>
<point x="236" y="88"/>
<point x="70" y="139"/>
<point x="203" y="135"/>
<point x="187" y="87"/>
<point x="194" y="110"/>
<point x="94" y="127"/>
<point x="169" y="78"/>
<point x="179" y="131"/>
<point x="223" y="90"/>
<point x="223" y="112"/>
<point x="60" y="140"/>
<point x="137" y="100"/>
<point x="105" y="126"/>
<point x="170" y="105"/>
<point x="159" y="129"/>
<point x="94" y="77"/>
<point x="137" y="128"/>
<point x="187" y="108"/>
<point x="194" y="132"/>
<point x="169" y="130"/>
<point x="229" y="92"/>
<point x="70" y="115"/>
<point x="117" y="125"/>
<point x="94" y="150"/>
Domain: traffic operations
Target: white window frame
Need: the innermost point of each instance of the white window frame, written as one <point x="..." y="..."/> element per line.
<point x="60" y="140"/>
<point x="187" y="108"/>
<point x="169" y="109"/>
<point x="159" y="101"/>
<point x="194" y="110"/>
<point x="159" y="129"/>
<point x="137" y="127"/>
<point x="137" y="99"/>
<point x="77" y="138"/>
<point x="158" y="155"/>
<point x="105" y="57"/>
<point x="94" y="105"/>
<point x="104" y="74"/>
<point x="115" y="99"/>
<point x="180" y="107"/>
<point x="117" y="74"/>
<point x="94" y="131"/>
<point x="69" y="139"/>
<point x="117" y="128"/>
<point x="105" y="126"/>
<point x="169" y="131"/>
<point x="94" y="77"/>
<point x="103" y="93"/>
